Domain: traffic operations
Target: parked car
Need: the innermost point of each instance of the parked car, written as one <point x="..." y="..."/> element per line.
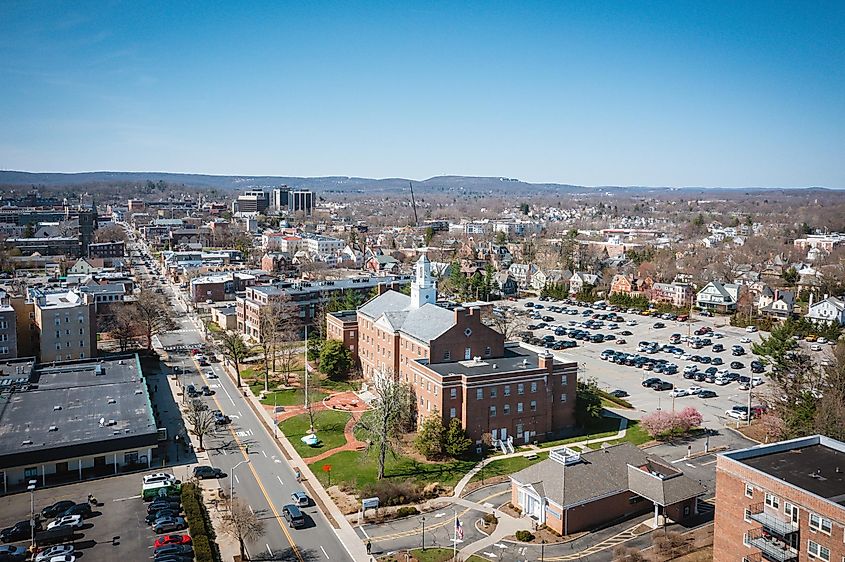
<point x="183" y="550"/>
<point x="662" y="385"/>
<point x="160" y="504"/>
<point x="707" y="394"/>
<point x="171" y="539"/>
<point x="74" y="521"/>
<point x="678" y="392"/>
<point x="82" y="509"/>
<point x="206" y="391"/>
<point x="737" y="365"/>
<point x="56" y="509"/>
<point x="204" y="471"/>
<point x="618" y="393"/>
<point x="168" y="524"/>
<point x="659" y="325"/>
<point x="293" y="516"/>
<point x="159" y="477"/>
<point x="650" y="381"/>
<point x="737" y="414"/>
<point x="14" y="553"/>
<point x="751" y="329"/>
<point x="156" y="515"/>
<point x="220" y="418"/>
<point x="19" y="531"/>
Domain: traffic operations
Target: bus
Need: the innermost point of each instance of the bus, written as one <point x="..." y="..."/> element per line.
<point x="156" y="489"/>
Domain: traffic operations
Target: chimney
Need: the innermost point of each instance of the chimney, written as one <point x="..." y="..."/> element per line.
<point x="546" y="360"/>
<point x="382" y="288"/>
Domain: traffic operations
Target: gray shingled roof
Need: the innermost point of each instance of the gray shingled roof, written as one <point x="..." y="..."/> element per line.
<point x="428" y="322"/>
<point x="390" y="301"/>
<point x="598" y="474"/>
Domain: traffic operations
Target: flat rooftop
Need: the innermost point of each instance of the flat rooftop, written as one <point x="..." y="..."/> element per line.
<point x="515" y="359"/>
<point x="72" y="410"/>
<point x="815" y="464"/>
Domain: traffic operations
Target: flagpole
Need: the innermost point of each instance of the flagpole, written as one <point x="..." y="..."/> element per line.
<point x="455" y="542"/>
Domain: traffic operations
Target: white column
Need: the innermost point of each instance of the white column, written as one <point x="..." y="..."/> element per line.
<point x="656" y="515"/>
<point x="44" y="475"/>
<point x="80" y="467"/>
<point x="115" y="463"/>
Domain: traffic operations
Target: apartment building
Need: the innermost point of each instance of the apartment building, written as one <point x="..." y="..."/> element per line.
<point x="8" y="328"/>
<point x="782" y="502"/>
<point x="65" y="325"/>
<point x="307" y="297"/>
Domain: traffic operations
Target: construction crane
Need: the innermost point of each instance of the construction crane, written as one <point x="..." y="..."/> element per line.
<point x="414" y="204"/>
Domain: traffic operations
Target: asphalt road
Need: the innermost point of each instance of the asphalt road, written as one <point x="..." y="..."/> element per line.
<point x="267" y="480"/>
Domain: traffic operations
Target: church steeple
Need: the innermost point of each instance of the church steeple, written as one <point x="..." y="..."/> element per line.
<point x="423" y="289"/>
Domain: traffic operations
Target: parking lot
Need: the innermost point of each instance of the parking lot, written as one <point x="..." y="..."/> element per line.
<point x="115" y="531"/>
<point x="614" y="376"/>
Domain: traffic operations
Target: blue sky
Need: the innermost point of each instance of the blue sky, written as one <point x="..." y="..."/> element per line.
<point x="591" y="93"/>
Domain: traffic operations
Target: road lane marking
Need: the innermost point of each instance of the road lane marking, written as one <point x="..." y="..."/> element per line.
<point x="268" y="550"/>
<point x="245" y="456"/>
<point x="250" y="509"/>
<point x="279" y="478"/>
<point x="129" y="498"/>
<point x="238" y="480"/>
<point x="364" y="531"/>
<point x="263" y="453"/>
<point x="324" y="552"/>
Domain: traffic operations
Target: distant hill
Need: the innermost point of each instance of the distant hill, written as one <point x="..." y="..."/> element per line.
<point x="473" y="184"/>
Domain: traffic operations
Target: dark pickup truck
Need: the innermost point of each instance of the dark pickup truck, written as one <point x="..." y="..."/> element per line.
<point x="63" y="533"/>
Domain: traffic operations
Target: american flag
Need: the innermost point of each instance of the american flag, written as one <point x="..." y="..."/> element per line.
<point x="459" y="530"/>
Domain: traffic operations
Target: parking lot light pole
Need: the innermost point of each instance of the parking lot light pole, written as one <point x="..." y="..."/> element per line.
<point x="232" y="479"/>
<point x="422" y="520"/>
<point x="31" y="489"/>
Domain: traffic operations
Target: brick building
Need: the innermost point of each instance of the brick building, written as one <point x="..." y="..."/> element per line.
<point x="459" y="367"/>
<point x="783" y="501"/>
<point x="306" y="297"/>
<point x="571" y="492"/>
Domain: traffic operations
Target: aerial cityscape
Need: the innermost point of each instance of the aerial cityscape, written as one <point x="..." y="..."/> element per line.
<point x="478" y="282"/>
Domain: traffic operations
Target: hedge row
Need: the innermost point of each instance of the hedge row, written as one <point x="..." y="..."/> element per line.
<point x="202" y="534"/>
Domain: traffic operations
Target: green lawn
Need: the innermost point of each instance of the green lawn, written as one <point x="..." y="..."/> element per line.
<point x="339" y="386"/>
<point x="358" y="468"/>
<point x="328" y="424"/>
<point x="434" y="554"/>
<point x="288" y="397"/>
<point x="604" y="428"/>
<point x="429" y="555"/>
<point x="635" y="435"/>
<point x="507" y="466"/>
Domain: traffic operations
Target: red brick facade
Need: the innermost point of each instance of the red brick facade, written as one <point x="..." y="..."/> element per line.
<point x="742" y="491"/>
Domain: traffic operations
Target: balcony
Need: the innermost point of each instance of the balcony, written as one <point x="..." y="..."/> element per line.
<point x="770" y="522"/>
<point x="770" y="547"/>
<point x="753" y="557"/>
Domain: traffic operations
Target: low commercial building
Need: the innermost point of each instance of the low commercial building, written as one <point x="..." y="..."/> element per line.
<point x="571" y="492"/>
<point x="73" y="420"/>
<point x="783" y="501"/>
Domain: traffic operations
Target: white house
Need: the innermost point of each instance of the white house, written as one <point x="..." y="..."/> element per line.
<point x="718" y="296"/>
<point x="549" y="276"/>
<point x="831" y="309"/>
<point x="522" y="273"/>
<point x="580" y="279"/>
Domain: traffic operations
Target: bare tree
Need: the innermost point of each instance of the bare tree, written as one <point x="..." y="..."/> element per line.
<point x="123" y="327"/>
<point x="153" y="314"/>
<point x="110" y="233"/>
<point x="235" y="350"/>
<point x="200" y="419"/>
<point x="242" y="524"/>
<point x="505" y="321"/>
<point x="385" y="422"/>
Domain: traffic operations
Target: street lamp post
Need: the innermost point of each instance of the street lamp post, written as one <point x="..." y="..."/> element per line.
<point x="232" y="479"/>
<point x="31" y="489"/>
<point x="542" y="550"/>
<point x="422" y="520"/>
